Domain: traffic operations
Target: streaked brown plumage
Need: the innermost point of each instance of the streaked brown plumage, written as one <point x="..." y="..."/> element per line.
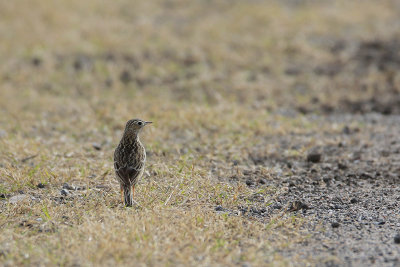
<point x="129" y="159"/>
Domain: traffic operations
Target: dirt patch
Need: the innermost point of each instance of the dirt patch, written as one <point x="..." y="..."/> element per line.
<point x="355" y="69"/>
<point x="349" y="198"/>
<point x="382" y="54"/>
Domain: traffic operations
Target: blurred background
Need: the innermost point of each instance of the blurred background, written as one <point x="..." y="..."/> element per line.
<point x="122" y="57"/>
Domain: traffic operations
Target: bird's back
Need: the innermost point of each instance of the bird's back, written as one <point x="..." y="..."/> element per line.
<point x="129" y="161"/>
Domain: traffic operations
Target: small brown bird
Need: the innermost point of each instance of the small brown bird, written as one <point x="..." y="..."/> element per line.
<point x="129" y="159"/>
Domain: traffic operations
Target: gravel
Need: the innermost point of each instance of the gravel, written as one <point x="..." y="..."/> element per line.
<point x="64" y="192"/>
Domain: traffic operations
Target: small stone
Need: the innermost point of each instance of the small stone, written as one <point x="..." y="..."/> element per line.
<point x="353" y="200"/>
<point x="64" y="192"/>
<point x="68" y="187"/>
<point x="385" y="153"/>
<point x="292" y="71"/>
<point x="77" y="65"/>
<point x="335" y="225"/>
<point x="39" y="219"/>
<point x="326" y="180"/>
<point x="303" y="110"/>
<point x="125" y="77"/>
<point x="69" y="154"/>
<point x="18" y="198"/>
<point x="297" y="205"/>
<point x="2" y="196"/>
<point x="81" y="62"/>
<point x="365" y="176"/>
<point x="342" y="166"/>
<point x="262" y="181"/>
<point x="219" y="208"/>
<point x="96" y="146"/>
<point x="249" y="182"/>
<point x="36" y="61"/>
<point x="397" y="239"/>
<point x="346" y="130"/>
<point x="314" y="157"/>
<point x="40" y="185"/>
<point x="242" y="210"/>
<point x="183" y="150"/>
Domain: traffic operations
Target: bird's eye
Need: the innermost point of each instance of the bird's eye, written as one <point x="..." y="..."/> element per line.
<point x="140" y="123"/>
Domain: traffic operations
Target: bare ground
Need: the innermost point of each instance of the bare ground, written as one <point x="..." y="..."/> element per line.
<point x="349" y="198"/>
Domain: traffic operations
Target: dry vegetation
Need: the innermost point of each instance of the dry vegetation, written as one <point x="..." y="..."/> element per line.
<point x="223" y="82"/>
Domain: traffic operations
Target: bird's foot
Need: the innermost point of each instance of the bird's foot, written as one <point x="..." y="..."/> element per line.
<point x="135" y="205"/>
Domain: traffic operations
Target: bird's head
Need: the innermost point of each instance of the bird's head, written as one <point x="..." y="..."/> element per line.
<point x="134" y="126"/>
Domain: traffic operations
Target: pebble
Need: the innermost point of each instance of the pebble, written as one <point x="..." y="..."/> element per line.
<point x="68" y="187"/>
<point x="249" y="182"/>
<point x="326" y="179"/>
<point x="36" y="61"/>
<point x="314" y="157"/>
<point x="262" y="181"/>
<point x="40" y="185"/>
<point x="219" y="208"/>
<point x="277" y="206"/>
<point x="342" y="166"/>
<point x="346" y="130"/>
<point x="96" y="146"/>
<point x="183" y="151"/>
<point x="125" y="77"/>
<point x="397" y="239"/>
<point x="353" y="200"/>
<point x="297" y="205"/>
<point x="18" y="198"/>
<point x="335" y="225"/>
<point x="64" y="192"/>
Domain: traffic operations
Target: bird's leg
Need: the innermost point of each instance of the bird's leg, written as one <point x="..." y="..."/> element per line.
<point x="122" y="195"/>
<point x="133" y="194"/>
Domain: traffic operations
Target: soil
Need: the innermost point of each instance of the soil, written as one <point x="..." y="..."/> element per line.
<point x="347" y="189"/>
<point x="349" y="195"/>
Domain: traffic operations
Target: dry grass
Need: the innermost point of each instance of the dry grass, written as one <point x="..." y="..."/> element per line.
<point x="208" y="74"/>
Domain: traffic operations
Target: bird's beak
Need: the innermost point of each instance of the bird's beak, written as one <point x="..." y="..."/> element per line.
<point x="148" y="122"/>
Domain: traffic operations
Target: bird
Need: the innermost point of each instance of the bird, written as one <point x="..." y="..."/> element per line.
<point x="130" y="159"/>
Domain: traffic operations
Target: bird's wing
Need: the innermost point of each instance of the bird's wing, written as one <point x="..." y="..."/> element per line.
<point x="129" y="174"/>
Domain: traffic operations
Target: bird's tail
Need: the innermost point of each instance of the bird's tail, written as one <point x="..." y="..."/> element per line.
<point x="128" y="195"/>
